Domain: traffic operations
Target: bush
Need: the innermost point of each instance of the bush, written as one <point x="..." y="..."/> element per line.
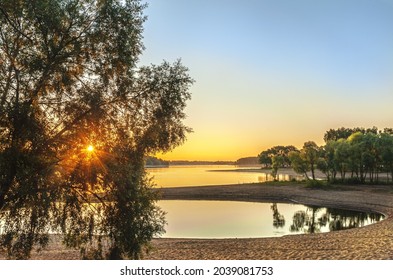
<point x="316" y="184"/>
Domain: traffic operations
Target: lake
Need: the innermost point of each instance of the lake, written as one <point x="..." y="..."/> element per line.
<point x="230" y="219"/>
<point x="206" y="175"/>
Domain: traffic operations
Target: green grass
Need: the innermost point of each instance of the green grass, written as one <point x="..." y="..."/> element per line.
<point x="283" y="183"/>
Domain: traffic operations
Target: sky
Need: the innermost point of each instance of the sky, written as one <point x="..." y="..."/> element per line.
<point x="274" y="72"/>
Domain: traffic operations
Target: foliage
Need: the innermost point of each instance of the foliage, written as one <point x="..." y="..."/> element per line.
<point x="69" y="79"/>
<point x="363" y="156"/>
<point x="276" y="157"/>
<point x="306" y="159"/>
<point x="277" y="162"/>
<point x="344" y="133"/>
<point x="298" y="163"/>
<point x="265" y="157"/>
<point x="310" y="153"/>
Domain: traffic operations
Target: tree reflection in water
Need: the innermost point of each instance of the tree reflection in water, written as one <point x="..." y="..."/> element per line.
<point x="315" y="218"/>
<point x="344" y="219"/>
<point x="278" y="219"/>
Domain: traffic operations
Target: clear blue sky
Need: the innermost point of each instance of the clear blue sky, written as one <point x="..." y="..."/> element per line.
<point x="273" y="72"/>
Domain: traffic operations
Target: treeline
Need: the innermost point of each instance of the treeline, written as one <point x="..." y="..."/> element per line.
<point x="153" y="161"/>
<point x="349" y="154"/>
<point x="247" y="161"/>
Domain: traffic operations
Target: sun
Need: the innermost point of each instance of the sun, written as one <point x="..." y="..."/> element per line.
<point x="90" y="148"/>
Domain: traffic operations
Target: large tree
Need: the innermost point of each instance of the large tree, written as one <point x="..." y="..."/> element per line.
<point x="77" y="119"/>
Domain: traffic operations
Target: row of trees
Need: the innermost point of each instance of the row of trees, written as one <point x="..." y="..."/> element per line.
<point x="360" y="157"/>
<point x="357" y="155"/>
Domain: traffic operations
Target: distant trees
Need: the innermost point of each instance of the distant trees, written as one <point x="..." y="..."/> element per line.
<point x="247" y="161"/>
<point x="153" y="161"/>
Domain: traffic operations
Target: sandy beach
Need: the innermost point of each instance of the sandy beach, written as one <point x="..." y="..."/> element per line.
<point x="372" y="242"/>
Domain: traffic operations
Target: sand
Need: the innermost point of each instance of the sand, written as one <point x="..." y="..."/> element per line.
<point x="373" y="242"/>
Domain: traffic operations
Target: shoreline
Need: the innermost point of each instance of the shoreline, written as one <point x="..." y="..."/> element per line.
<point x="372" y="242"/>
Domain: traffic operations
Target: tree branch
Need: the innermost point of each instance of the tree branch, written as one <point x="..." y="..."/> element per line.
<point x="14" y="26"/>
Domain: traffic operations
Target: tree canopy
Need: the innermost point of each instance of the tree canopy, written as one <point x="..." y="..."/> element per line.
<point x="266" y="157"/>
<point x="306" y="159"/>
<point x="77" y="119"/>
<point x="357" y="155"/>
<point x="344" y="133"/>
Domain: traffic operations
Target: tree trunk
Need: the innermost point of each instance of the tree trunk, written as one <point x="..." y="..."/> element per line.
<point x="312" y="172"/>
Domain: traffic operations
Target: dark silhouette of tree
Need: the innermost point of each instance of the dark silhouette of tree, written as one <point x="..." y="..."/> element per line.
<point x="77" y="120"/>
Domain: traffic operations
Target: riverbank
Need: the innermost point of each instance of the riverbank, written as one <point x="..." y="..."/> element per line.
<point x="370" y="242"/>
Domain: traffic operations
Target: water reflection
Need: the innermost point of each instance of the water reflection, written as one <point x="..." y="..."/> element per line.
<point x="309" y="221"/>
<point x="189" y="175"/>
<point x="316" y="219"/>
<point x="267" y="177"/>
<point x="229" y="219"/>
<point x="278" y="219"/>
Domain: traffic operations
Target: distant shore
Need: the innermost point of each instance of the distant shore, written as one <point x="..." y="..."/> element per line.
<point x="369" y="242"/>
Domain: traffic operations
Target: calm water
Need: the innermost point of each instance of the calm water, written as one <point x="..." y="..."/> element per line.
<point x="195" y="175"/>
<point x="228" y="219"/>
